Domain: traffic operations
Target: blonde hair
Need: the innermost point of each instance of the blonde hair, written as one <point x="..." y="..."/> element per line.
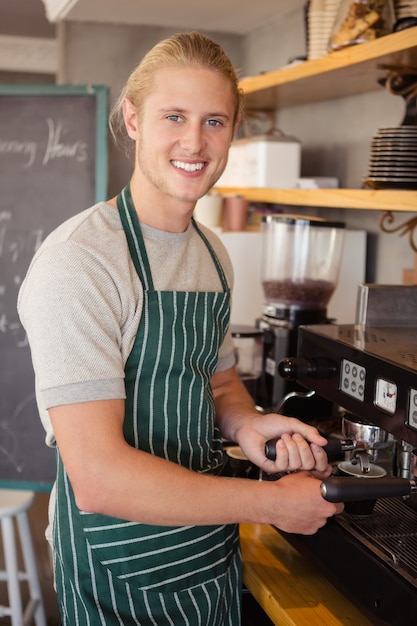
<point x="182" y="49"/>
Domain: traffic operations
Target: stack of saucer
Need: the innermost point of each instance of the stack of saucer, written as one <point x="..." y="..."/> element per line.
<point x="393" y="159"/>
<point x="405" y="8"/>
<point x="321" y="18"/>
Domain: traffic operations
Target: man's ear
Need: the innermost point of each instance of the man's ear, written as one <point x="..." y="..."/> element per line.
<point x="131" y="119"/>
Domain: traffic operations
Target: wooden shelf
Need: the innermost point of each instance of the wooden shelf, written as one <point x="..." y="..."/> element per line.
<point x="367" y="199"/>
<point x="341" y="73"/>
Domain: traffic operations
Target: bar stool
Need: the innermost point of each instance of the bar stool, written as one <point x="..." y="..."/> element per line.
<point x="15" y="504"/>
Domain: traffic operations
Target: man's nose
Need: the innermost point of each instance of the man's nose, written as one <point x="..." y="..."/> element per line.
<point x="193" y="138"/>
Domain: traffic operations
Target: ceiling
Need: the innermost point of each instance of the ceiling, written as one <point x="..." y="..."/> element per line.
<point x="231" y="16"/>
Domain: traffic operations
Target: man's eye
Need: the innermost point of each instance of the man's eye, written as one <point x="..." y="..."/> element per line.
<point x="174" y="118"/>
<point x="214" y="123"/>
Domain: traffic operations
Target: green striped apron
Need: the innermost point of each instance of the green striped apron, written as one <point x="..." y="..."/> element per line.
<point x="111" y="571"/>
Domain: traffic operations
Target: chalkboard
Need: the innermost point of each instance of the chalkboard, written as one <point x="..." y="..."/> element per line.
<point x="53" y="164"/>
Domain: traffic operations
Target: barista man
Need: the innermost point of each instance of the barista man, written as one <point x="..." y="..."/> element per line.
<point x="126" y="307"/>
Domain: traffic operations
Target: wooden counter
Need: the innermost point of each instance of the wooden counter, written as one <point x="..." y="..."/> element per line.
<point x="287" y="586"/>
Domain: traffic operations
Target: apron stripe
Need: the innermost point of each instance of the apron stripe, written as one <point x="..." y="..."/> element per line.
<point x="132" y="607"/>
<point x="175" y="532"/>
<point x="148" y="607"/>
<point x="94" y="588"/>
<point x="145" y="317"/>
<point x="175" y="579"/>
<point x="186" y="621"/>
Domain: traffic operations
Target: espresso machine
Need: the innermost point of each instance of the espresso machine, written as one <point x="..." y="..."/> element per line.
<point x="368" y="371"/>
<point x="300" y="266"/>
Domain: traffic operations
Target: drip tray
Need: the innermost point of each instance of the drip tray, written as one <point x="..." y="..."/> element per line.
<point x="389" y="531"/>
<point x="371" y="559"/>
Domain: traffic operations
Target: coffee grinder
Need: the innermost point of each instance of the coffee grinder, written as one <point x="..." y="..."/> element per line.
<point x="300" y="265"/>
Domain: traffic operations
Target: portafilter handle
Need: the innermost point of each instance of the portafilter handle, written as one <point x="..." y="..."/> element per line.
<point x="333" y="448"/>
<point x="351" y="489"/>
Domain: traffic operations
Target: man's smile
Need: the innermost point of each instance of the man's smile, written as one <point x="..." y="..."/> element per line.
<point x="189" y="167"/>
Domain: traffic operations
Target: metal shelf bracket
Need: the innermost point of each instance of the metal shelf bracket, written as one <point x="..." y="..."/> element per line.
<point x="386" y="224"/>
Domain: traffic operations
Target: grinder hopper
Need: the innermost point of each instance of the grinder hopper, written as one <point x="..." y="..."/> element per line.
<point x="300" y="262"/>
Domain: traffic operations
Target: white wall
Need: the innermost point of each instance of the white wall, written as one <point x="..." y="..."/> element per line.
<point x="274" y="44"/>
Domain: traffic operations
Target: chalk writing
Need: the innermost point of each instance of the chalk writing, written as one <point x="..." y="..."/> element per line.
<point x="5" y="216"/>
<point x="56" y="149"/>
<point x="57" y="146"/>
<point x="48" y="162"/>
<point x="35" y="239"/>
<point x="26" y="148"/>
<point x="14" y="245"/>
<point x="15" y="328"/>
<point x="3" y="323"/>
<point x="3" y="232"/>
<point x="9" y="449"/>
<point x="6" y="325"/>
<point x="9" y="446"/>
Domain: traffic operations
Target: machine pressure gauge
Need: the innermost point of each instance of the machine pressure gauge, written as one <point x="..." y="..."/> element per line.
<point x="386" y="395"/>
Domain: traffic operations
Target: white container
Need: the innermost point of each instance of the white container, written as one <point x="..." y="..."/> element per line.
<point x="273" y="161"/>
<point x="234" y="174"/>
<point x="263" y="161"/>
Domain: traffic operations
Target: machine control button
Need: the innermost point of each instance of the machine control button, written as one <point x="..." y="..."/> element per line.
<point x="352" y="379"/>
<point x="412" y="409"/>
<point x="386" y="395"/>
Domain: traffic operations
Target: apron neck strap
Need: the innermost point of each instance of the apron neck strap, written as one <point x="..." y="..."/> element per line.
<point x="133" y="232"/>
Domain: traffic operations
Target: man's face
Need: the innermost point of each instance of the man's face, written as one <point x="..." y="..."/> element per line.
<point x="185" y="132"/>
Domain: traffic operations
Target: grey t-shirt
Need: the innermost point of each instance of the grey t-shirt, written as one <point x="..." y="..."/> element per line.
<point x="81" y="302"/>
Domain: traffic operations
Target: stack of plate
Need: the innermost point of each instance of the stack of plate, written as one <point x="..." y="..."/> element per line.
<point x="393" y="159"/>
<point x="405" y="8"/>
<point x="321" y="18"/>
